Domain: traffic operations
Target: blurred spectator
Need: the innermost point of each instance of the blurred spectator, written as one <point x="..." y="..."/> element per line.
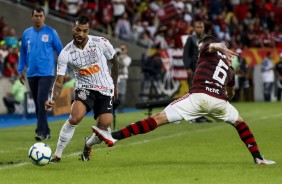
<point x="123" y="28"/>
<point x="145" y="40"/>
<point x="278" y="70"/>
<point x="187" y="15"/>
<point x="11" y="39"/>
<point x="137" y="29"/>
<point x="124" y="63"/>
<point x="131" y="9"/>
<point x="16" y="96"/>
<point x="11" y="62"/>
<point x="95" y="22"/>
<point x="267" y="76"/>
<point x="3" y="54"/>
<point x="61" y="6"/>
<point x="159" y="38"/>
<point x="238" y="39"/>
<point x="105" y="14"/>
<point x="73" y="7"/>
<point x="4" y="32"/>
<point x="242" y="92"/>
<point x="241" y="10"/>
<point x="277" y="36"/>
<point x="266" y="38"/>
<point x="248" y="20"/>
<point x="119" y="8"/>
<point x="147" y="14"/>
<point x="252" y="37"/>
<point x="216" y="7"/>
<point x="270" y="21"/>
<point x="170" y="38"/>
<point x="152" y="70"/>
<point x="3" y="23"/>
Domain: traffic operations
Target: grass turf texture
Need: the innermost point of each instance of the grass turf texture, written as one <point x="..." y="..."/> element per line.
<point x="174" y="153"/>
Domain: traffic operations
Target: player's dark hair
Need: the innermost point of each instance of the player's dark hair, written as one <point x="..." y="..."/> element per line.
<point x="81" y="20"/>
<point x="37" y="9"/>
<point x="208" y="39"/>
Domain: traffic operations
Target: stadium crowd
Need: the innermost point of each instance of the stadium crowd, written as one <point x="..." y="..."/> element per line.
<point x="161" y="23"/>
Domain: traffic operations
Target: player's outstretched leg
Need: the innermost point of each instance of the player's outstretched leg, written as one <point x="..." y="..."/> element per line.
<point x="139" y="127"/>
<point x="248" y="138"/>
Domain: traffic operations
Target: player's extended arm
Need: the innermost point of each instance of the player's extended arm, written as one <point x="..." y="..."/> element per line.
<point x="222" y="48"/>
<point x="56" y="90"/>
<point x="114" y="73"/>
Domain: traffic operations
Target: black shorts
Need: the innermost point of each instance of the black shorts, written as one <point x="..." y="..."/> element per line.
<point x="100" y="103"/>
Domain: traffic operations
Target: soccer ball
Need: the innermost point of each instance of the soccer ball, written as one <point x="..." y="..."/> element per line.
<point x="40" y="154"/>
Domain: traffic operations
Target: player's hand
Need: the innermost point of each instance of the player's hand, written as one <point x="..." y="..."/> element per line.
<point x="21" y="77"/>
<point x="230" y="54"/>
<point x="189" y="73"/>
<point x="49" y="104"/>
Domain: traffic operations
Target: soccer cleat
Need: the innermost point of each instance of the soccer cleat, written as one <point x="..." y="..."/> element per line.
<point x="48" y="136"/>
<point x="264" y="161"/>
<point x="105" y="135"/>
<point x="39" y="137"/>
<point x="85" y="155"/>
<point x="55" y="159"/>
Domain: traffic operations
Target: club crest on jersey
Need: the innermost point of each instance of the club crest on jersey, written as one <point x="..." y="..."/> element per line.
<point x="45" y="38"/>
<point x="82" y="95"/>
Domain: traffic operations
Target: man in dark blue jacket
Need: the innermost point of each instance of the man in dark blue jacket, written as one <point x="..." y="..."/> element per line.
<point x="37" y="54"/>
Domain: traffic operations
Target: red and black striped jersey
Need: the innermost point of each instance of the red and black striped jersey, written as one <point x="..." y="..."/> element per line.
<point x="212" y="75"/>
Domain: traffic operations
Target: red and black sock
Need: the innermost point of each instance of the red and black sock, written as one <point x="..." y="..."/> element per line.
<point x="139" y="127"/>
<point x="248" y="138"/>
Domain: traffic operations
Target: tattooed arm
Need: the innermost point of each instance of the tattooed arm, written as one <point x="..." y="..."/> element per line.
<point x="114" y="73"/>
<point x="56" y="90"/>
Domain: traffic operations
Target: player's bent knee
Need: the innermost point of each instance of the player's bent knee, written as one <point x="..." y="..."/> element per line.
<point x="160" y="118"/>
<point x="74" y="120"/>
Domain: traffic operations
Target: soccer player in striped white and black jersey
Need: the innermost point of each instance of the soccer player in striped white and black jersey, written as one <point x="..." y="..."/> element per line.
<point x="95" y="66"/>
<point x="213" y="86"/>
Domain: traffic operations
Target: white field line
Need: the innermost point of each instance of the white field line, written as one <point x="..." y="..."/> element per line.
<point x="6" y="167"/>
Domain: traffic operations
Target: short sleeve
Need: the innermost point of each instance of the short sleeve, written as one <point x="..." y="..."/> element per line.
<point x="108" y="49"/>
<point x="62" y="64"/>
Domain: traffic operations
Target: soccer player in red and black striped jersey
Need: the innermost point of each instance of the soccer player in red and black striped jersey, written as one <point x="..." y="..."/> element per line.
<point x="212" y="88"/>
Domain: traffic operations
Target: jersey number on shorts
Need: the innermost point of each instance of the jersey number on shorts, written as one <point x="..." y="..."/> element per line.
<point x="220" y="74"/>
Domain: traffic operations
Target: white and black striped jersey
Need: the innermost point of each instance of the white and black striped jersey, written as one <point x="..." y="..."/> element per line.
<point x="90" y="65"/>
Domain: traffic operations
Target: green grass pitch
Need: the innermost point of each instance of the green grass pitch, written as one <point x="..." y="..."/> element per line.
<point x="206" y="153"/>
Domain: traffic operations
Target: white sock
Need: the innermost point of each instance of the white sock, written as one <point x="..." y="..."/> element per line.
<point x="93" y="140"/>
<point x="65" y="136"/>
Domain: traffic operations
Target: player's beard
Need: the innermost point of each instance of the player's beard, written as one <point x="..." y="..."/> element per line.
<point x="79" y="41"/>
